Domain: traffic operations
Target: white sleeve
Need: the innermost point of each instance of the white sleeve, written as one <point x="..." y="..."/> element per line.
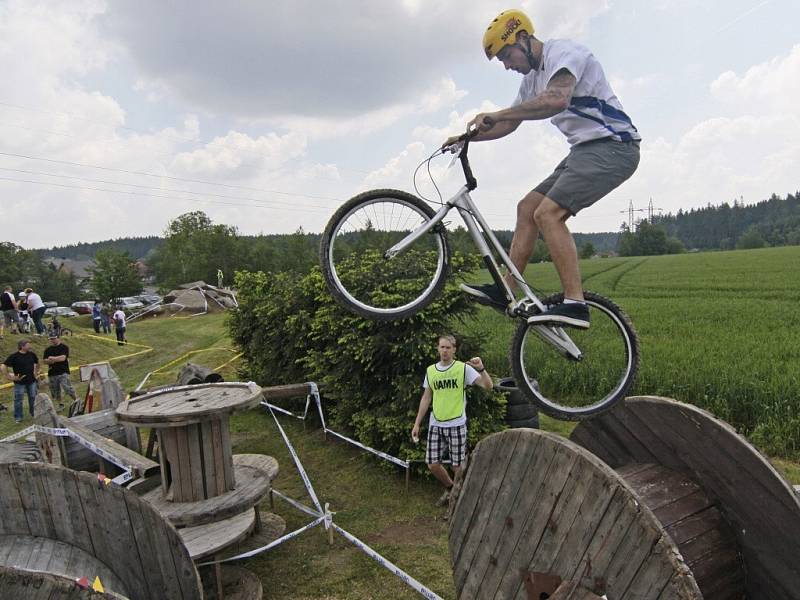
<point x="425" y="381"/>
<point x="568" y="55"/>
<point x="470" y="374"/>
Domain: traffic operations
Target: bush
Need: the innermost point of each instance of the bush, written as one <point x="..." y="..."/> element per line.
<point x="370" y="372"/>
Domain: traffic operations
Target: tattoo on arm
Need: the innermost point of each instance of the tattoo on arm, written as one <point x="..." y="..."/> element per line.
<point x="560" y="87"/>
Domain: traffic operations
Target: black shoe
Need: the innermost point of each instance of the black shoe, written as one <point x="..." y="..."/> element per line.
<point x="488" y="294"/>
<point x="573" y="314"/>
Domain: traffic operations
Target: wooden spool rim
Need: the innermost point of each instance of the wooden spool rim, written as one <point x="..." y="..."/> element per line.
<point x="760" y="504"/>
<point x="252" y="485"/>
<point x="663" y="551"/>
<point x="142" y="412"/>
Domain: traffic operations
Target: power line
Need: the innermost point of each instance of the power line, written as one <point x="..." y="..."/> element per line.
<point x="134" y="193"/>
<point x="183" y="179"/>
<point x="147" y="187"/>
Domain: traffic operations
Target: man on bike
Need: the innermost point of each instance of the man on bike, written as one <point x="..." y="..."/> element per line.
<point x="564" y="82"/>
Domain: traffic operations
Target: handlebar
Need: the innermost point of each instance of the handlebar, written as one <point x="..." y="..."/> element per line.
<point x="464" y="140"/>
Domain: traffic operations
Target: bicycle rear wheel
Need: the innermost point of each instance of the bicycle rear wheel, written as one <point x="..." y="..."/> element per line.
<point x="572" y="389"/>
<point x="354" y="263"/>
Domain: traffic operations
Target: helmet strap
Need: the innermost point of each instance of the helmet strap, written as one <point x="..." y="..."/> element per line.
<point x="529" y="54"/>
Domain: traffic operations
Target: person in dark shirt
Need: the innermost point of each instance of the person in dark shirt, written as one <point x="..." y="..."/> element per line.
<point x="56" y="356"/>
<point x="8" y="305"/>
<point x="24" y="365"/>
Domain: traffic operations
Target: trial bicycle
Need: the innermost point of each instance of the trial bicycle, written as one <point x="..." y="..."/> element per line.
<point x="385" y="255"/>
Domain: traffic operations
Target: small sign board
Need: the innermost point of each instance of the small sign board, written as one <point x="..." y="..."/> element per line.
<point x="102" y="368"/>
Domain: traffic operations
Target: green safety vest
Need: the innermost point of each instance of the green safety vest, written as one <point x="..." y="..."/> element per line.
<point x="447" y="388"/>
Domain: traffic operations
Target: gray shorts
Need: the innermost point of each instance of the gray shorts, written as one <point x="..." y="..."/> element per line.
<point x="10" y="317"/>
<point x="589" y="172"/>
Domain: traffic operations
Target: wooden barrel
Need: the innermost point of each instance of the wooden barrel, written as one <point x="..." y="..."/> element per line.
<point x="535" y="503"/>
<point x="746" y="491"/>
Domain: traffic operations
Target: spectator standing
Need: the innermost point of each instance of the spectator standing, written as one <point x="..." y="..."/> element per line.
<point x="105" y="318"/>
<point x="96" y="316"/>
<point x="445" y="390"/>
<point x="56" y="356"/>
<point x="36" y="308"/>
<point x="9" y="307"/>
<point x="24" y="315"/>
<point x="24" y="365"/>
<point x="119" y="326"/>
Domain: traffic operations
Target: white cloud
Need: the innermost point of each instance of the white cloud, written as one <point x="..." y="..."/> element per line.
<point x="770" y="86"/>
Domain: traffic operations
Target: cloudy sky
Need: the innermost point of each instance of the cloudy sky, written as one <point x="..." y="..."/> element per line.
<point x="116" y="117"/>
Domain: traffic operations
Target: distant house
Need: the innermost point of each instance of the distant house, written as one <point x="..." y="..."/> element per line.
<point x="79" y="268"/>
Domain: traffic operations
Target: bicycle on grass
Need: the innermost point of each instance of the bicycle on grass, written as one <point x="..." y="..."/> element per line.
<point x="55" y="328"/>
<point x="402" y="243"/>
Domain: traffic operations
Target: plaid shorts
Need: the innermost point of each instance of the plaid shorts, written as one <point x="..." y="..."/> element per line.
<point x="444" y="442"/>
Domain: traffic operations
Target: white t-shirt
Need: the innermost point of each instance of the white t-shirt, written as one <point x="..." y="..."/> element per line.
<point x="470" y="376"/>
<point x="119" y="317"/>
<point x="34" y="301"/>
<point x="595" y="111"/>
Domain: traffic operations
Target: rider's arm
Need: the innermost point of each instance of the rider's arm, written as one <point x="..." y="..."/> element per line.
<point x="500" y="129"/>
<point x="553" y="100"/>
<point x="424" y="405"/>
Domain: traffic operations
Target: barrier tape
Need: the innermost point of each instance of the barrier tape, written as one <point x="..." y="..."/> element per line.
<point x="295" y="503"/>
<point x="410" y="581"/>
<point x="269" y="546"/>
<point x="314" y="393"/>
<point x="127" y="474"/>
<point x="298" y="464"/>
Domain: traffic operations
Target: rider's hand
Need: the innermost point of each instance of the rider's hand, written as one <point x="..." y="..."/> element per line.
<point x="452" y="140"/>
<point x="482" y="122"/>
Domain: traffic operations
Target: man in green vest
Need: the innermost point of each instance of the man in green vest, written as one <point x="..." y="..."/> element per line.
<point x="445" y="388"/>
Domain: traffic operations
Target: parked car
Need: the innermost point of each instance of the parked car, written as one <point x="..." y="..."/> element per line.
<point x="129" y="304"/>
<point x="83" y="307"/>
<point x="50" y="304"/>
<point x="148" y="299"/>
<point x="60" y="311"/>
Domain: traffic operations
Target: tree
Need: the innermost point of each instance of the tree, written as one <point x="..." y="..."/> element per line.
<point x="587" y="250"/>
<point x="114" y="275"/>
<point x="194" y="249"/>
<point x="751" y="238"/>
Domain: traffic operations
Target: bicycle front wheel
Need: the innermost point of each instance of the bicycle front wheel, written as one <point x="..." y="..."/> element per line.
<point x="575" y="389"/>
<point x="354" y="261"/>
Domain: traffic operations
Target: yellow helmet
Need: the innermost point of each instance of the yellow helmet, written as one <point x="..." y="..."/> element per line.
<point x="503" y="31"/>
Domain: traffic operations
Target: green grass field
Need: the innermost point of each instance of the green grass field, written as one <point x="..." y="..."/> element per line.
<point x="716" y="330"/>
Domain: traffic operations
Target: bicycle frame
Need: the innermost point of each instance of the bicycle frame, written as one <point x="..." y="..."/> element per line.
<point x="480" y="231"/>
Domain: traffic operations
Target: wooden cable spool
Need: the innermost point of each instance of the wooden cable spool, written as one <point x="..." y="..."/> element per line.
<point x="680" y="507"/>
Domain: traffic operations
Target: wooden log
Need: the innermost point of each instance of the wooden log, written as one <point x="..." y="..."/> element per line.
<point x="141" y="466"/>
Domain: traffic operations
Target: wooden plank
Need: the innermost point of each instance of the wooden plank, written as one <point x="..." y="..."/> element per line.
<point x="205" y="540"/>
<point x="656" y="572"/>
<point x="194" y="440"/>
<point x="149" y="554"/>
<point x="534" y="527"/>
<point x="66" y="510"/>
<point x="181" y="468"/>
<point x="253" y="487"/>
<point x="584" y="489"/>
<point x="143" y="466"/>
<point x="34" y="500"/>
<point x="495" y="512"/>
<point x="209" y="465"/>
<point x="500" y="457"/>
<point x="166" y="474"/>
<point x="13" y="519"/>
<point x="170" y="451"/>
<point x="219" y="456"/>
<point x="227" y="452"/>
<point x="294" y="390"/>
